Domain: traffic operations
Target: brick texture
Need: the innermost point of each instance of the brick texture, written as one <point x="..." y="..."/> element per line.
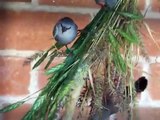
<point x="42" y="79"/>
<point x="15" y="0"/>
<point x="14" y="77"/>
<point x="154" y="82"/>
<point x="150" y="46"/>
<point x="148" y="113"/>
<point x="156" y="5"/>
<point x="79" y="3"/>
<point x="31" y="30"/>
<point x="141" y="4"/>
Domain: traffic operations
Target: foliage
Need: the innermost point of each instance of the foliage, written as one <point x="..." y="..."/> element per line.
<point x="103" y="52"/>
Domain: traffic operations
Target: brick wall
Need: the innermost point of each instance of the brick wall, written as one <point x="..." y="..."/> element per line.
<point x="26" y="27"/>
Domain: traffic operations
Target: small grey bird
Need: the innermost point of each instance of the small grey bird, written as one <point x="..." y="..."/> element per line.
<point x="108" y="3"/>
<point x="65" y="31"/>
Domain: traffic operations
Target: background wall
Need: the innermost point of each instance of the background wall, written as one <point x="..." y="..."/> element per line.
<point x="26" y="27"/>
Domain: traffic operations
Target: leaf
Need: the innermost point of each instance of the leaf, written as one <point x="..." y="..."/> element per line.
<point x="113" y="40"/>
<point x="127" y="36"/>
<point x="119" y="61"/>
<point x="43" y="56"/>
<point x="11" y="107"/>
<point x="122" y="63"/>
<point x="35" y="112"/>
<point x="131" y="15"/>
<point x="54" y="69"/>
<point x="49" y="62"/>
<point x="51" y="59"/>
<point x="40" y="60"/>
<point x="39" y="102"/>
<point x="132" y="29"/>
<point x="52" y="47"/>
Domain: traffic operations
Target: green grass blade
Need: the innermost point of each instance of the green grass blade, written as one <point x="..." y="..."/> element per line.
<point x="132" y="29"/>
<point x="113" y="40"/>
<point x="50" y="60"/>
<point x="11" y="107"/>
<point x="54" y="69"/>
<point x="40" y="60"/>
<point x="131" y="15"/>
<point x="128" y="37"/>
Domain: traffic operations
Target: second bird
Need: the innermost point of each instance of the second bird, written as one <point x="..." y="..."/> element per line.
<point x="108" y="3"/>
<point x="65" y="31"/>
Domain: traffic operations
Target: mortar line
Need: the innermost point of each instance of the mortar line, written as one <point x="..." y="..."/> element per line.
<point x="19" y="6"/>
<point x="17" y="53"/>
<point x="46" y="8"/>
<point x="28" y="53"/>
<point x="5" y="99"/>
<point x="34" y="2"/>
<point x="34" y="79"/>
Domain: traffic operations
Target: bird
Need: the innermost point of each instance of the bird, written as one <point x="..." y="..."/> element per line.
<point x="108" y="3"/>
<point x="141" y="84"/>
<point x="100" y="2"/>
<point x="65" y="31"/>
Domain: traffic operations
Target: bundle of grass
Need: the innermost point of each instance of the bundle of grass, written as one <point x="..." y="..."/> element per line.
<point x="102" y="58"/>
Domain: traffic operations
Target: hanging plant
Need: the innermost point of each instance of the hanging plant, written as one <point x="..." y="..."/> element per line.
<point x="100" y="61"/>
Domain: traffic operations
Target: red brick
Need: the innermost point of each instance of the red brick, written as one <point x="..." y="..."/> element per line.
<point x="148" y="113"/>
<point x="17" y="114"/>
<point x="156" y="5"/>
<point x="141" y="4"/>
<point x="43" y="78"/>
<point x="154" y="82"/>
<point x="15" y="0"/>
<point x="32" y="30"/>
<point x="79" y="3"/>
<point x="14" y="76"/>
<point x="150" y="46"/>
